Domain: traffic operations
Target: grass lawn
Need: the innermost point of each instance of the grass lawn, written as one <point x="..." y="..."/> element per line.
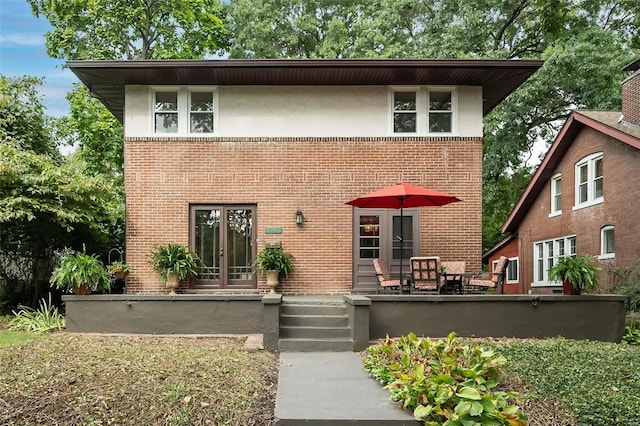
<point x="65" y="378"/>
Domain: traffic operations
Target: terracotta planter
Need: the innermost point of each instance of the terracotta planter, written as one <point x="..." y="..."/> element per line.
<point x="81" y="290"/>
<point x="120" y="275"/>
<point x="172" y="283"/>
<point x="272" y="280"/>
<point x="569" y="290"/>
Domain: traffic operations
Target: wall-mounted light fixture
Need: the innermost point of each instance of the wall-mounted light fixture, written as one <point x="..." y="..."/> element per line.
<point x="299" y="217"/>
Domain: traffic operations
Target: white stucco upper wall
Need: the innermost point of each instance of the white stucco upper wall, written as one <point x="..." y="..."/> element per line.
<point x="311" y="111"/>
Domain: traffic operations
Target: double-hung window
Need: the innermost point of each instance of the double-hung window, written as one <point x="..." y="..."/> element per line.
<point x="512" y="270"/>
<point x="405" y="112"/>
<point x="440" y="112"/>
<point x="556" y="195"/>
<point x="589" y="181"/>
<point x="607" y="242"/>
<point x="184" y="111"/>
<point x="423" y="110"/>
<point x="546" y="254"/>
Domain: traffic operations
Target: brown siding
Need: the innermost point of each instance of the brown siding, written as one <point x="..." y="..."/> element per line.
<point x="631" y="99"/>
<point x="282" y="175"/>
<point x="621" y="163"/>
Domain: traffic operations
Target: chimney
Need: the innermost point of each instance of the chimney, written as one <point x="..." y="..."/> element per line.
<point x="631" y="93"/>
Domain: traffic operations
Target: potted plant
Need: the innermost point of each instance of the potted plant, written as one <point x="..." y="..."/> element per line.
<point x="119" y="270"/>
<point x="174" y="262"/>
<point x="273" y="262"/>
<point x="80" y="273"/>
<point x="576" y="274"/>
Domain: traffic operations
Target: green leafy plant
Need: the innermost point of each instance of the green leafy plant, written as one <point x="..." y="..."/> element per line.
<point x="578" y="271"/>
<point x="118" y="268"/>
<point x="44" y="319"/>
<point x="78" y="270"/>
<point x="631" y="334"/>
<point x="175" y="259"/>
<point x="274" y="259"/>
<point x="444" y="382"/>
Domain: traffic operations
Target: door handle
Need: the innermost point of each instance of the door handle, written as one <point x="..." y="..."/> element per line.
<point x="221" y="252"/>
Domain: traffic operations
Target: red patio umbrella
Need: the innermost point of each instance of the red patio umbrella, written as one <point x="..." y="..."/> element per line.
<point x="401" y="196"/>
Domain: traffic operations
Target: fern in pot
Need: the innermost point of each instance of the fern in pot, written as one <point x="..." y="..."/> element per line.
<point x="273" y="262"/>
<point x="575" y="273"/>
<point x="174" y="262"/>
<point x="81" y="273"/>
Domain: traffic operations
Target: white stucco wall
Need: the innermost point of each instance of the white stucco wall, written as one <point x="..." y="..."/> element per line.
<point x="312" y="111"/>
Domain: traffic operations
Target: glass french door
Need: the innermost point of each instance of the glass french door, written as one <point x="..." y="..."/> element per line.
<point x="224" y="239"/>
<point x="377" y="234"/>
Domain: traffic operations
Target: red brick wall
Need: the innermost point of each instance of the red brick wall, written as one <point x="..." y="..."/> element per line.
<point x="282" y="175"/>
<point x="631" y="99"/>
<point x="510" y="250"/>
<point x="621" y="163"/>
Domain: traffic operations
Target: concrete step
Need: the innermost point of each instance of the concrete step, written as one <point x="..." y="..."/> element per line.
<point x="315" y="320"/>
<point x="312" y="309"/>
<point x="315" y="345"/>
<point x="297" y="332"/>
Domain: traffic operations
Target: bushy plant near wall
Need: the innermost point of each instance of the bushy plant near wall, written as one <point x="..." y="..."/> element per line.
<point x="445" y="382"/>
<point x="44" y="319"/>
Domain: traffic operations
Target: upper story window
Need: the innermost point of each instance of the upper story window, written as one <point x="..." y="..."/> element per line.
<point x="184" y="111"/>
<point x="607" y="250"/>
<point x="423" y="110"/>
<point x="546" y="254"/>
<point x="589" y="181"/>
<point x="405" y="112"/>
<point x="556" y="195"/>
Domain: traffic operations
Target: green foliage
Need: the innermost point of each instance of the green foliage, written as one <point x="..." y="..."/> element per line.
<point x="118" y="267"/>
<point x="629" y="281"/>
<point x="45" y="319"/>
<point x="274" y="259"/>
<point x="599" y="381"/>
<point x="444" y="382"/>
<point x="174" y="258"/>
<point x="10" y="337"/>
<point x="120" y="29"/>
<point x="579" y="271"/>
<point x="632" y="334"/>
<point x="80" y="269"/>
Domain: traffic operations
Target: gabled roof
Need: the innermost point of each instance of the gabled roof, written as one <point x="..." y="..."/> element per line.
<point x="498" y="78"/>
<point x="498" y="246"/>
<point x="606" y="122"/>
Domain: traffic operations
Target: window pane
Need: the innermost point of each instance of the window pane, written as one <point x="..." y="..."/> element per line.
<point x="201" y="122"/>
<point x="201" y="101"/>
<point x="597" y="188"/>
<point x="598" y="168"/>
<point x="439" y="122"/>
<point x="166" y="101"/>
<point x="207" y="239"/>
<point x="582" y="193"/>
<point x="369" y="237"/>
<point x="607" y="236"/>
<point x="440" y="101"/>
<point x="407" y="237"/>
<point x="239" y="251"/>
<point x="404" y="101"/>
<point x="512" y="270"/>
<point x="572" y="246"/>
<point x="404" y="123"/>
<point x="584" y="173"/>
<point x="167" y="122"/>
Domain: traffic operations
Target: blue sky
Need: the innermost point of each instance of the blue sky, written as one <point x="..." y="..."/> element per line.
<point x="23" y="52"/>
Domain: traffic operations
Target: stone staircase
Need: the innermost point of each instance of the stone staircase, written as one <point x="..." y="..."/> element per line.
<point x="314" y="325"/>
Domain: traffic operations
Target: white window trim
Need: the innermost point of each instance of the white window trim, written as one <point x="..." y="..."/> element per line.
<point x="567" y="252"/>
<point x="422" y="109"/>
<point x="552" y="181"/>
<point x="184" y="97"/>
<point x="591" y="201"/>
<point x="506" y="278"/>
<point x="603" y="255"/>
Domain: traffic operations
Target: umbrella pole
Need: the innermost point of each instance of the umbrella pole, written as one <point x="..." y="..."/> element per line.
<point x="401" y="247"/>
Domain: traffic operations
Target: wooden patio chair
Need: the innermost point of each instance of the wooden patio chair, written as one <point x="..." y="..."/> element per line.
<point x="385" y="283"/>
<point x="425" y="274"/>
<point x="496" y="280"/>
<point x="452" y="275"/>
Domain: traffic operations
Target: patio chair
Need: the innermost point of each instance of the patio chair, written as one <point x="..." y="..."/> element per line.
<point x="385" y="283"/>
<point x="452" y="275"/>
<point x="496" y="280"/>
<point x="425" y="274"/>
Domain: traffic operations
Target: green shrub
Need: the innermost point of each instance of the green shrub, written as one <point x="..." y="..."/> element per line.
<point x="44" y="319"/>
<point x="632" y="334"/>
<point x="444" y="382"/>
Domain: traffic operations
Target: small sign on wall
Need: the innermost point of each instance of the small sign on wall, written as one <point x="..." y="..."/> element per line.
<point x="273" y="230"/>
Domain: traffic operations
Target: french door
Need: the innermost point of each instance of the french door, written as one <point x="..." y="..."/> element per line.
<point x="377" y="234"/>
<point x="223" y="236"/>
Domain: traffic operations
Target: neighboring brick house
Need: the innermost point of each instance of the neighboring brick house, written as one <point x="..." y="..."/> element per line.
<point x="507" y="247"/>
<point x="584" y="197"/>
<point x="221" y="155"/>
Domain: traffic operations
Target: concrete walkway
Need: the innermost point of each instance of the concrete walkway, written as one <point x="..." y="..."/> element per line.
<point x="331" y="388"/>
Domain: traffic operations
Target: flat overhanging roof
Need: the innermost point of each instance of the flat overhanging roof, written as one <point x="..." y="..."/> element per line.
<point x="106" y="79"/>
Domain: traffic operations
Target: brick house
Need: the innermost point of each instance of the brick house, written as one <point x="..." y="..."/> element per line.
<point x="222" y="155"/>
<point x="583" y="199"/>
<point x="507" y="247"/>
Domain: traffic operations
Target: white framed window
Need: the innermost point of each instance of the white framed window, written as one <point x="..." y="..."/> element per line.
<point x="556" y="195"/>
<point x="512" y="270"/>
<point x="607" y="247"/>
<point x="546" y="254"/>
<point x="494" y="266"/>
<point x="184" y="110"/>
<point x="440" y="111"/>
<point x="423" y="110"/>
<point x="589" y="181"/>
<point x="405" y="111"/>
